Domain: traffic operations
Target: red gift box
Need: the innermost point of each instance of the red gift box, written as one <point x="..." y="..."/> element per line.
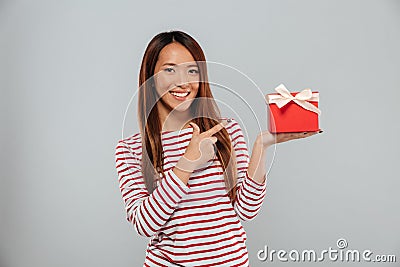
<point x="293" y="112"/>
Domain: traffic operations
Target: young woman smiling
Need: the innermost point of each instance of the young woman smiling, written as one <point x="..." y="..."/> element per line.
<point x="186" y="178"/>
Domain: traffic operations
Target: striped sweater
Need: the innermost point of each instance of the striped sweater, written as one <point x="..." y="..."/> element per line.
<point x="193" y="224"/>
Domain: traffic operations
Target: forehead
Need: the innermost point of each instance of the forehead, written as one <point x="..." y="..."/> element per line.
<point x="174" y="53"/>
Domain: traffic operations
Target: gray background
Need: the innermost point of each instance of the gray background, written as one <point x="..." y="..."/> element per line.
<point x="68" y="70"/>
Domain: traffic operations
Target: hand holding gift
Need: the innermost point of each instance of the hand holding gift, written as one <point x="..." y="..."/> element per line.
<point x="266" y="139"/>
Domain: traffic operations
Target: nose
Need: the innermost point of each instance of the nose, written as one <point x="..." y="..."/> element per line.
<point x="182" y="80"/>
<point x="182" y="85"/>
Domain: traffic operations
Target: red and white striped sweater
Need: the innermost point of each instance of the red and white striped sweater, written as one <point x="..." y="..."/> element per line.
<point x="193" y="224"/>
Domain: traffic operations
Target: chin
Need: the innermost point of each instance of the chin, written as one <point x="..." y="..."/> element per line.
<point x="184" y="106"/>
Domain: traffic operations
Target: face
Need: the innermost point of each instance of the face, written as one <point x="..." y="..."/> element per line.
<point x="176" y="77"/>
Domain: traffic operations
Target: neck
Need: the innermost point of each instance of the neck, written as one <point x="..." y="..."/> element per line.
<point x="174" y="120"/>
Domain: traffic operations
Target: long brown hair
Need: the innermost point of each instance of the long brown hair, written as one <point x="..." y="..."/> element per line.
<point x="149" y="121"/>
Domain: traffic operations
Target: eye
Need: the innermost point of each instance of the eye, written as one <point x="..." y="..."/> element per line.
<point x="169" y="69"/>
<point x="193" y="71"/>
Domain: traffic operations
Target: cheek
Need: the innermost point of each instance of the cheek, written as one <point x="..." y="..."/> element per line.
<point x="163" y="85"/>
<point x="195" y="89"/>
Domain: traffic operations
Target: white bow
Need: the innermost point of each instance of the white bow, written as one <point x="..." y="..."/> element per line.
<point x="300" y="98"/>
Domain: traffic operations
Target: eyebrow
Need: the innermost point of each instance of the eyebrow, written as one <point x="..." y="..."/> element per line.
<point x="173" y="64"/>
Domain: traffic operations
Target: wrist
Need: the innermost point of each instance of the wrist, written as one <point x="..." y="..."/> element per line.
<point x="186" y="165"/>
<point x="260" y="144"/>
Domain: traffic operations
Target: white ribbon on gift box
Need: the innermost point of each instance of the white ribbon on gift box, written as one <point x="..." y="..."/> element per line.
<point x="300" y="98"/>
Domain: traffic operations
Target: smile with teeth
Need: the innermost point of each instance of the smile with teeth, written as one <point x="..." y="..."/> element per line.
<point x="180" y="94"/>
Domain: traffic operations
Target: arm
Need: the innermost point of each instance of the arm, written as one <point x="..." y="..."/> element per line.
<point x="250" y="192"/>
<point x="147" y="212"/>
<point x="258" y="158"/>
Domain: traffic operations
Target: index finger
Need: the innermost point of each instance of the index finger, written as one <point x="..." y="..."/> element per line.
<point x="215" y="129"/>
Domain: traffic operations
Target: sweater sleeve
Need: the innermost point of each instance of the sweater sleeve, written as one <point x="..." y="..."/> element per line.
<point x="147" y="212"/>
<point x="249" y="193"/>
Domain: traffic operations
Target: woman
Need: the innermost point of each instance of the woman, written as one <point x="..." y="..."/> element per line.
<point x="187" y="179"/>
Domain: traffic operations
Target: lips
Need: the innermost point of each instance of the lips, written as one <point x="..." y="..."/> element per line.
<point x="180" y="93"/>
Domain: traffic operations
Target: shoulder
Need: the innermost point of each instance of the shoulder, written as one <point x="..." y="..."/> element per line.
<point x="232" y="125"/>
<point x="131" y="144"/>
<point x="233" y="128"/>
